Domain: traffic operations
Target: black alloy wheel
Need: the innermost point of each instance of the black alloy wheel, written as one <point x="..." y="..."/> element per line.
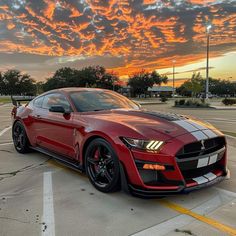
<point x="102" y="166"/>
<point x="20" y="138"/>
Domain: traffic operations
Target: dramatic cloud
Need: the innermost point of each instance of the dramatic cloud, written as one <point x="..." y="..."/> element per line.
<point x="122" y="35"/>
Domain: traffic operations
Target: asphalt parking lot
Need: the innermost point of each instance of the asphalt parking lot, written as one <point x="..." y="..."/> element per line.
<point x="38" y="196"/>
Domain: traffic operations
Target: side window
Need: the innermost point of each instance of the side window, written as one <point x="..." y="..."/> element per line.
<point x="55" y="99"/>
<point x="38" y="102"/>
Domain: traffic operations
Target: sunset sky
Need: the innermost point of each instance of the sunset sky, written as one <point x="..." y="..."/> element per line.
<point x="40" y="36"/>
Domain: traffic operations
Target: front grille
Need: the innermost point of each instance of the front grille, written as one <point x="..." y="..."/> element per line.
<point x="197" y="148"/>
<point x="192" y="163"/>
<point x="194" y="160"/>
<point x="190" y="174"/>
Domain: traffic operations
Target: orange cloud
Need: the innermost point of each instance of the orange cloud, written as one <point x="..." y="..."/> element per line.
<point x="141" y="33"/>
<point x="148" y="2"/>
<point x="49" y="9"/>
<point x="10" y="26"/>
<point x="201" y="2"/>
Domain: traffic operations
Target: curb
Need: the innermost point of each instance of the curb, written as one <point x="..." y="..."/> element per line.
<point x="148" y="103"/>
<point x="224" y="108"/>
<point x="151" y="103"/>
<point x="189" y="107"/>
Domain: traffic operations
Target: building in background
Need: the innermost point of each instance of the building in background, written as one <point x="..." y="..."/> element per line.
<point x="157" y="91"/>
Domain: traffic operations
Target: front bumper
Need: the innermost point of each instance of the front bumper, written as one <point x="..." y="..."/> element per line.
<point x="147" y="193"/>
<point x="182" y="174"/>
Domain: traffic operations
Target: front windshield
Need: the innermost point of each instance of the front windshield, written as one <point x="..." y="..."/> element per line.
<point x="85" y="101"/>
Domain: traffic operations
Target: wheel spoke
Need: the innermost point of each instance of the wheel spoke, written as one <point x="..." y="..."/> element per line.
<point x="93" y="161"/>
<point x="21" y="141"/>
<point x="108" y="176"/>
<point x="108" y="161"/>
<point x="18" y="143"/>
<point x="98" y="174"/>
<point x="18" y="130"/>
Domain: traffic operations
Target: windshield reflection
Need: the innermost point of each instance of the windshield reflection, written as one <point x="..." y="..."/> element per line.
<point x="85" y="101"/>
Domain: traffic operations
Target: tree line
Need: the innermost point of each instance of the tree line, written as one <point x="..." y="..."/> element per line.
<point x="141" y="81"/>
<point x="92" y="76"/>
<point x="13" y="82"/>
<point x="196" y="87"/>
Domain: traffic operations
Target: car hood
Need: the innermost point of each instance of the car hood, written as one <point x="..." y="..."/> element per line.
<point x="150" y="123"/>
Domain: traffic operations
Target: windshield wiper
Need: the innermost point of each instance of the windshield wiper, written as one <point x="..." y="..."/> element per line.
<point x="99" y="110"/>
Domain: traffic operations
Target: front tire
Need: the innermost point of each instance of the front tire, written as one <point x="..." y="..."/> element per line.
<point x="20" y="139"/>
<point x="102" y="166"/>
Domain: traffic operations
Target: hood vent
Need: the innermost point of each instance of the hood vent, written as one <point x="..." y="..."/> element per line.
<point x="165" y="116"/>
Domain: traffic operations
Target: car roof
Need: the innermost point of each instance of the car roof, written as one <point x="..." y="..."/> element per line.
<point x="75" y="89"/>
<point x="71" y="89"/>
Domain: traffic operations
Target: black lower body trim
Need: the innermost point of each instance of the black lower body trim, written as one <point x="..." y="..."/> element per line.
<point x="145" y="193"/>
<point x="61" y="159"/>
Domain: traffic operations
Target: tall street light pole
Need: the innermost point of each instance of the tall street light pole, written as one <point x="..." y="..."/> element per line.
<point x="173" y="93"/>
<point x="113" y="83"/>
<point x="207" y="61"/>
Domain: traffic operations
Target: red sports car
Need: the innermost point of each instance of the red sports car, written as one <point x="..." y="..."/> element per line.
<point x="118" y="144"/>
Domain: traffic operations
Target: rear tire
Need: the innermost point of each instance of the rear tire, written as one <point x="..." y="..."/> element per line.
<point x="20" y="139"/>
<point x="102" y="166"/>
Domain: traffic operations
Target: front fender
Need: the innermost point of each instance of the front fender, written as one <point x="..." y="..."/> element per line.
<point x="114" y="142"/>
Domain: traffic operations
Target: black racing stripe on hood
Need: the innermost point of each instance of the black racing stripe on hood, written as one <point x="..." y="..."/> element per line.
<point x="166" y="116"/>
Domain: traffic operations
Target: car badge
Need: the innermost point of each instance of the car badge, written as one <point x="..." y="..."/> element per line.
<point x="203" y="145"/>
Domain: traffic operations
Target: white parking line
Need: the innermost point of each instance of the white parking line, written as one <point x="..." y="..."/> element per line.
<point x="226" y="192"/>
<point x="4" y="144"/>
<point x="48" y="222"/>
<point x="5" y="130"/>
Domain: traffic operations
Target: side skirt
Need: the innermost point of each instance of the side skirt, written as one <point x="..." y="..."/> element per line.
<point x="61" y="159"/>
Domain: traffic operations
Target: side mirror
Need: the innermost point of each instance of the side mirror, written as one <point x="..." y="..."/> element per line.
<point x="59" y="109"/>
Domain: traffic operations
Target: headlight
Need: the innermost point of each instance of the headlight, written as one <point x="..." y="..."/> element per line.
<point x="152" y="145"/>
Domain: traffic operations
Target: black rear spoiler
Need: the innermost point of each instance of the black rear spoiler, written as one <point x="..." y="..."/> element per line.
<point x="16" y="101"/>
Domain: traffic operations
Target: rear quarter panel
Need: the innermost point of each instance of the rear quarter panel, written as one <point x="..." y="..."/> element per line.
<point x="22" y="114"/>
